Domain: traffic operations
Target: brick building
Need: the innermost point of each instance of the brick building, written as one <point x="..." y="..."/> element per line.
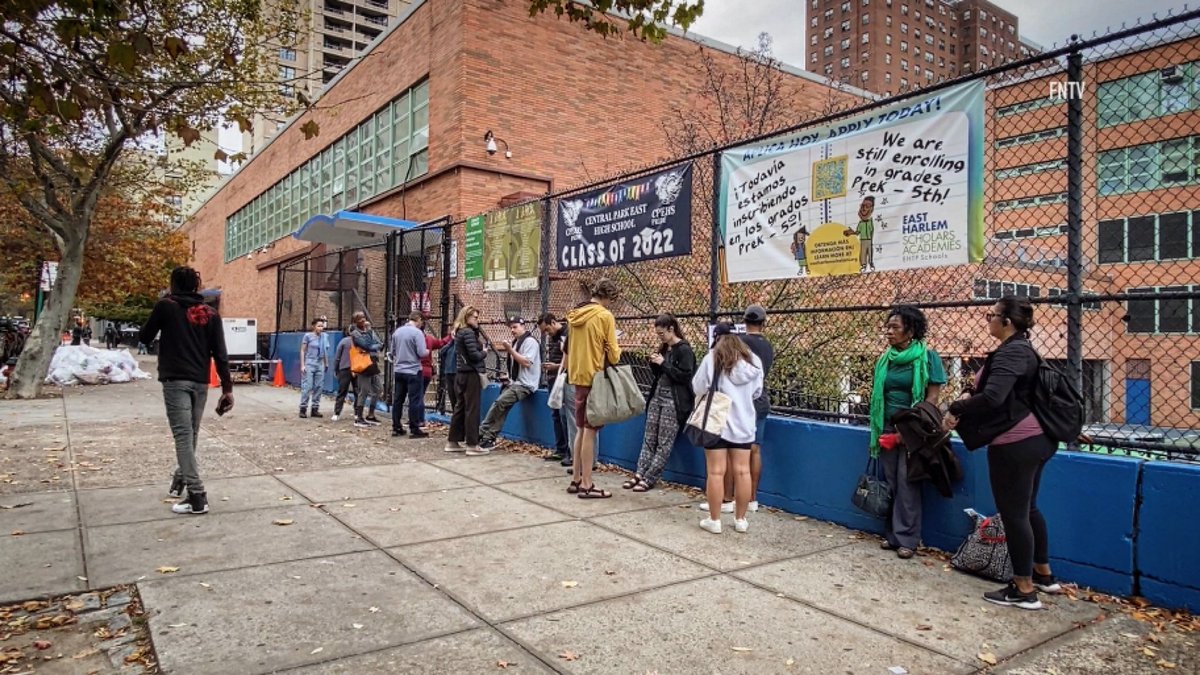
<point x="401" y="132"/>
<point x="890" y="46"/>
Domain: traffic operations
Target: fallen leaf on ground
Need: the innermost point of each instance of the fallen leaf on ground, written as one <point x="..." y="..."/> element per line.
<point x="610" y="572"/>
<point x="176" y="625"/>
<point x="285" y="499"/>
<point x="569" y="656"/>
<point x="348" y="506"/>
<point x="16" y="506"/>
<point x="790" y="662"/>
<point x="167" y="569"/>
<point x="1131" y="636"/>
<point x="373" y="610"/>
<point x="41" y="645"/>
<point x="82" y="578"/>
<point x="356" y="625"/>
<point x="17" y="533"/>
<point x="1161" y="663"/>
<point x="569" y="584"/>
<point x="283" y="521"/>
<point x="924" y="626"/>
<point x="503" y="665"/>
<point x="741" y="649"/>
<point x="801" y="518"/>
<point x="1148" y="651"/>
<point x="988" y="658"/>
<point x="318" y="650"/>
<point x="205" y="585"/>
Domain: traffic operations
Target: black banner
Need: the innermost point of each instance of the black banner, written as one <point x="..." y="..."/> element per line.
<point x="645" y="219"/>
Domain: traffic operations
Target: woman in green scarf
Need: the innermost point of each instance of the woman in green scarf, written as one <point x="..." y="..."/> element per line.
<point x="906" y="374"/>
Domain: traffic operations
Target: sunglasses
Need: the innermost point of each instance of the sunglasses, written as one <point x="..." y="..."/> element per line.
<point x="992" y="315"/>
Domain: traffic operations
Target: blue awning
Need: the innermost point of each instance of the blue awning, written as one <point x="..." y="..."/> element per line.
<point x="348" y="228"/>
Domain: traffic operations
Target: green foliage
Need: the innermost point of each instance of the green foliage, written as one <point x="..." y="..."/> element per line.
<point x="645" y="19"/>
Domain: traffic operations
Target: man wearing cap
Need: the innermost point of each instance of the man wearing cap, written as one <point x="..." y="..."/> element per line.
<point x="755" y="318"/>
<point x="524" y="375"/>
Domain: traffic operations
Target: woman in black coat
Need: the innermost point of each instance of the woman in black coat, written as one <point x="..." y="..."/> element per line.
<point x="669" y="404"/>
<point x="471" y="351"/>
<point x="995" y="411"/>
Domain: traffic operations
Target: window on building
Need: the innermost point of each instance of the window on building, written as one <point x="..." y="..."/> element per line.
<point x="813" y="22"/>
<point x="903" y="46"/>
<point x="887" y="39"/>
<point x="813" y="57"/>
<point x="864" y="55"/>
<point x="863" y="76"/>
<point x="966" y="14"/>
<point x="845" y="7"/>
<point x="941" y="62"/>
<point x="828" y="69"/>
<point x="815" y="3"/>
<point x="828" y="14"/>
<point x="845" y="25"/>
<point x="904" y="65"/>
<point x="828" y="33"/>
<point x="1195" y="385"/>
<point x="846" y="43"/>
<point x="1154" y="237"/>
<point x="982" y="15"/>
<point x="983" y="33"/>
<point x="866" y="19"/>
<point x="904" y="9"/>
<point x="385" y="150"/>
<point x="1163" y="315"/>
<point x="929" y="39"/>
<point x="916" y="52"/>
<point x="813" y="41"/>
<point x="1149" y="167"/>
<point x="929" y="57"/>
<point x="845" y="62"/>
<point x="983" y="51"/>
<point x="1030" y="202"/>
<point x="286" y="54"/>
<point x="887" y="20"/>
<point x="904" y="28"/>
<point x="866" y="37"/>
<point x="928" y="74"/>
<point x="904" y="83"/>
<point x="887" y="58"/>
<point x="828" y="50"/>
<point x="287" y="73"/>
<point x="887" y="77"/>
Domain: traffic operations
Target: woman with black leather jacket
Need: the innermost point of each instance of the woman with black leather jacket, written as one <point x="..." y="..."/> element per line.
<point x="471" y="351"/>
<point x="995" y="411"/>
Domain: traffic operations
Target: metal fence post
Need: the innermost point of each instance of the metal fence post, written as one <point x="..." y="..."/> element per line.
<point x="304" y="319"/>
<point x="547" y="214"/>
<point x="714" y="275"/>
<point x="1075" y="218"/>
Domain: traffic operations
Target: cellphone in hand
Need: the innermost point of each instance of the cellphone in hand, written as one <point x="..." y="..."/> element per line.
<point x="223" y="406"/>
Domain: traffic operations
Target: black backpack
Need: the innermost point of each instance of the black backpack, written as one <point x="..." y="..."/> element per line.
<point x="1057" y="403"/>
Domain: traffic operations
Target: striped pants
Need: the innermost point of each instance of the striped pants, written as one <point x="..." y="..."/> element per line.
<point x="662" y="426"/>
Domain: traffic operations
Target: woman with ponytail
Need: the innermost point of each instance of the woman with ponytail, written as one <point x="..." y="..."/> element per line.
<point x="907" y="373"/>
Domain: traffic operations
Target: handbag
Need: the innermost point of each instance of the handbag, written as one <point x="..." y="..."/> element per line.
<point x="556" y="391"/>
<point x="615" y="396"/>
<point x="361" y="362"/>
<point x="708" y="418"/>
<point x="872" y="494"/>
<point x="985" y="550"/>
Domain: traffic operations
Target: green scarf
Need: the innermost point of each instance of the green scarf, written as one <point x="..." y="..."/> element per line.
<point x="916" y="354"/>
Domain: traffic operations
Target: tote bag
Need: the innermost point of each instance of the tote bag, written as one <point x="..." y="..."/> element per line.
<point x="615" y="396"/>
<point x="361" y="362"/>
<point x="556" y="390"/>
<point x="985" y="550"/>
<point x="708" y="418"/>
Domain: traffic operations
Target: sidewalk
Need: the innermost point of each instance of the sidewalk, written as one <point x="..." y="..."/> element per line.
<point x="331" y="549"/>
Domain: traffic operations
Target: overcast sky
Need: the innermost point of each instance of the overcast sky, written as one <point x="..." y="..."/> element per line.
<point x="738" y="22"/>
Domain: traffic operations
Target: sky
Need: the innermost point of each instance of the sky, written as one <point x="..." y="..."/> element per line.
<point x="738" y="22"/>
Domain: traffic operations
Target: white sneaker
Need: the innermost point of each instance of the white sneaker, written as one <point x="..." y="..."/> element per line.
<point x="752" y="506"/>
<point x="476" y="451"/>
<point x="453" y="446"/>
<point x="741" y="524"/>
<point x="726" y="507"/>
<point x="334" y="418"/>
<point x="711" y="525"/>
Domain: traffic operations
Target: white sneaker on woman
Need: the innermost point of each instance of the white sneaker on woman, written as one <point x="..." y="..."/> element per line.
<point x="711" y="525"/>
<point x="741" y="524"/>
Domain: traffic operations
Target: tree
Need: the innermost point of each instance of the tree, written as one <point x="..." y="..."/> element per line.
<point x="645" y="19"/>
<point x="86" y="80"/>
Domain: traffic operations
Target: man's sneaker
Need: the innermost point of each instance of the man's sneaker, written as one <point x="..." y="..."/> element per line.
<point x="418" y="434"/>
<point x="1009" y="595"/>
<point x="552" y="457"/>
<point x="741" y="524"/>
<point x="176" y="489"/>
<point x="399" y="432"/>
<point x="752" y="506"/>
<point x="361" y="423"/>
<point x="303" y="413"/>
<point x="567" y="462"/>
<point x="711" y="525"/>
<point x="488" y="444"/>
<point x="315" y="413"/>
<point x="453" y="446"/>
<point x="477" y="450"/>
<point x="196" y="503"/>
<point x="1046" y="583"/>
<point x="334" y="418"/>
<point x="372" y="421"/>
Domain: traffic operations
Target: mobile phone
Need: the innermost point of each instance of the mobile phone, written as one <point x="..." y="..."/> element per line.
<point x="223" y="406"/>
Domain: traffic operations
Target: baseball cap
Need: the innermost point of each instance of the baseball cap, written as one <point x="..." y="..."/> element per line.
<point x="722" y="328"/>
<point x="756" y="314"/>
<point x="516" y="320"/>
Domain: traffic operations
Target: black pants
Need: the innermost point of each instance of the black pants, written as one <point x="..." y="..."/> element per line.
<point x="1015" y="471"/>
<point x="346" y="381"/>
<point x="445" y="393"/>
<point x="408" y="385"/>
<point x="464" y="423"/>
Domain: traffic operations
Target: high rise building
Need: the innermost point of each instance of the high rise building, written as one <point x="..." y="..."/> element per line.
<point x="889" y="46"/>
<point x="340" y="30"/>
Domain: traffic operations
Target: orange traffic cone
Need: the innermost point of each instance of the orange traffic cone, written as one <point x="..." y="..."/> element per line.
<point x="213" y="380"/>
<point x="279" y="381"/>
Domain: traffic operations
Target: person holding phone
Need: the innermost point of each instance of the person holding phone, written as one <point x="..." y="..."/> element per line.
<point x="192" y="337"/>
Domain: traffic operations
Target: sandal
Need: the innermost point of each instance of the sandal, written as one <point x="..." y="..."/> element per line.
<point x="642" y="486"/>
<point x="629" y="484"/>
<point x="593" y="493"/>
<point x="573" y="487"/>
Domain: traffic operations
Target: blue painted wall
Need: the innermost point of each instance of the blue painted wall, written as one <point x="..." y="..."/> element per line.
<point x="1117" y="524"/>
<point x="286" y="347"/>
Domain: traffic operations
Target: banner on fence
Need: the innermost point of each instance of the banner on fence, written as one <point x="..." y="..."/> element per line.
<point x="898" y="188"/>
<point x="644" y="219"/>
<point x="473" y="249"/>
<point x="512" y="248"/>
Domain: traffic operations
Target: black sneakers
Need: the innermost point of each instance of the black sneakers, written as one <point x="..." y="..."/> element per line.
<point x="303" y="413"/>
<point x="315" y="413"/>
<point x="488" y="444"/>
<point x="418" y="434"/>
<point x="1046" y="583"/>
<point x="196" y="503"/>
<point x="1009" y="595"/>
<point x="176" y="489"/>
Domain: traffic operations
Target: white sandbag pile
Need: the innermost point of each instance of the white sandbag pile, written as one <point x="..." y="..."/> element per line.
<point x="87" y="365"/>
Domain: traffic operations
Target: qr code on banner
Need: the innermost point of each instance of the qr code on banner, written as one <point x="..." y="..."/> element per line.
<point x="829" y="178"/>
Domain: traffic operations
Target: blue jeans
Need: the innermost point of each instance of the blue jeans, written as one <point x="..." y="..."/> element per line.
<point x="311" y="384"/>
<point x="564" y="423"/>
<point x="412" y="386"/>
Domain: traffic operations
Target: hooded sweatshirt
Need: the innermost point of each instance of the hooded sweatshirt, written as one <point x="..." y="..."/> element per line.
<point x="593" y="332"/>
<point x="192" y="335"/>
<point x="742" y="385"/>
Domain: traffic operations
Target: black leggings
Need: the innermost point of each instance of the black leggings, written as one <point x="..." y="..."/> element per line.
<point x="1015" y="470"/>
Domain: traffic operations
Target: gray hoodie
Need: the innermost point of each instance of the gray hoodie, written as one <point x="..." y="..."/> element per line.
<point x="742" y="385"/>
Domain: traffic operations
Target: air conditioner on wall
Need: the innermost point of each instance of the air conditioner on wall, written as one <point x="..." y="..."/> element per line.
<point x="1170" y="75"/>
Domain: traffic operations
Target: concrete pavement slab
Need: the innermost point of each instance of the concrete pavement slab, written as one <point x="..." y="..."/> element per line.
<point x="502" y="467"/>
<point x="40" y="564"/>
<point x="552" y="493"/>
<point x="718" y="625"/>
<point x="504" y="575"/>
<point x="217" y="541"/>
<point x="1116" y="645"/>
<point x="272" y="617"/>
<point x="429" y="516"/>
<point x="373" y="481"/>
<point x="111" y="506"/>
<point x="38" y="512"/>
<point x="922" y="603"/>
<point x="475" y="651"/>
<point x="771" y="536"/>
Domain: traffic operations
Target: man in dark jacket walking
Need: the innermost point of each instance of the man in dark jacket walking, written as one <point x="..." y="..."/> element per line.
<point x="192" y="338"/>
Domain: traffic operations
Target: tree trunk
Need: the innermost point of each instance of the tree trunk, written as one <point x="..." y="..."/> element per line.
<point x="34" y="362"/>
